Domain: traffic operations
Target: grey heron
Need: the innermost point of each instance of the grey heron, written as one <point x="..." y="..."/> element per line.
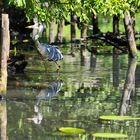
<point x="51" y="51"/>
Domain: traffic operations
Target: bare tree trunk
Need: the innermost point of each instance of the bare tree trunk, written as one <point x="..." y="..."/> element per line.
<point x="133" y="19"/>
<point x="73" y="33"/>
<point x="1" y="6"/>
<point x="96" y="29"/>
<point x="4" y="52"/>
<point x="52" y="36"/>
<point x="130" y="35"/>
<point x="116" y="19"/>
<point x="83" y="44"/>
<point x="83" y="30"/>
<point x="73" y="28"/>
<point x="60" y="31"/>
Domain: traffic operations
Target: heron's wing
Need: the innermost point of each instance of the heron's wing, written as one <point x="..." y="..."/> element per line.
<point x="59" y="54"/>
<point x="50" y="52"/>
<point x="54" y="53"/>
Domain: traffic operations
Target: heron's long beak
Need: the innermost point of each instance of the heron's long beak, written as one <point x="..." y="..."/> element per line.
<point x="25" y="40"/>
<point x="30" y="26"/>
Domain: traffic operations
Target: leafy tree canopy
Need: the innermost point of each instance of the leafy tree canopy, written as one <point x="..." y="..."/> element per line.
<point x="60" y="9"/>
<point x="115" y="7"/>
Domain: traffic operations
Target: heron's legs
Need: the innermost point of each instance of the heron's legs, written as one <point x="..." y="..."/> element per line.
<point x="43" y="59"/>
<point x="44" y="62"/>
<point x="58" y="66"/>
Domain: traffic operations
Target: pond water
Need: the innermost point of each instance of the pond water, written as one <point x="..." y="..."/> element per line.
<point x="40" y="102"/>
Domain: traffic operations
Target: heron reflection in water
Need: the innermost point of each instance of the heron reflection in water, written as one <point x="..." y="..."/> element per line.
<point x="45" y="94"/>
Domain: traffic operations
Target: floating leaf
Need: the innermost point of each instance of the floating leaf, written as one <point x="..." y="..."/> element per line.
<point x="71" y="130"/>
<point x="109" y="135"/>
<point x="71" y="120"/>
<point x="120" y="118"/>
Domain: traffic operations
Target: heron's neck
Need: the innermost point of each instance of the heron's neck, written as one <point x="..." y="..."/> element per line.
<point x="37" y="43"/>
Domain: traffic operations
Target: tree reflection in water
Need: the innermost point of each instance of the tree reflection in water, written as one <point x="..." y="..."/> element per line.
<point x="3" y="120"/>
<point x="129" y="87"/>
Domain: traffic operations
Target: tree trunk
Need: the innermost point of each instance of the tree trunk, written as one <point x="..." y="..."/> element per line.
<point x="130" y="35"/>
<point x="52" y="37"/>
<point x="60" y="31"/>
<point x="133" y="19"/>
<point x="116" y="19"/>
<point x="96" y="29"/>
<point x="1" y="6"/>
<point x="83" y="30"/>
<point x="4" y="52"/>
<point x="73" y="28"/>
<point x="73" y="33"/>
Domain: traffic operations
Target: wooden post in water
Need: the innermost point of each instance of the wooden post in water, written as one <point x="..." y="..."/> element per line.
<point x="5" y="39"/>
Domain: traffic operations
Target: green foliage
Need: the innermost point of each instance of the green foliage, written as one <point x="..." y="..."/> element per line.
<point x="60" y="9"/>
<point x="18" y="3"/>
<point x="45" y="11"/>
<point x="115" y="7"/>
<point x="55" y="9"/>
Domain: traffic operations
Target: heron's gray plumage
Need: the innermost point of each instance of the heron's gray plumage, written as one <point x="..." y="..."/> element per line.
<point x="51" y="51"/>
